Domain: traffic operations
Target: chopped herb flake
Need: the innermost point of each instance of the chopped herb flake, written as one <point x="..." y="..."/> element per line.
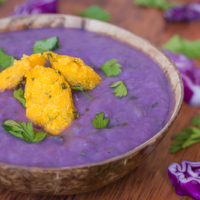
<point x="63" y="86"/>
<point x="154" y="105"/>
<point x="82" y="153"/>
<point x="110" y="127"/>
<point x="125" y="124"/>
<point x="132" y="97"/>
<point x="23" y="81"/>
<point x="57" y="71"/>
<point x="76" y="115"/>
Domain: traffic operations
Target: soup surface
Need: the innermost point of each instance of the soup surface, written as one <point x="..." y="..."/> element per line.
<point x="133" y="119"/>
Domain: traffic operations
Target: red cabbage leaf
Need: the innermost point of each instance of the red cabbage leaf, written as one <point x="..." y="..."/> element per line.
<point x="36" y="7"/>
<point x="180" y="45"/>
<point x="160" y="4"/>
<point x="190" y="76"/>
<point x="189" y="12"/>
<point x="186" y="178"/>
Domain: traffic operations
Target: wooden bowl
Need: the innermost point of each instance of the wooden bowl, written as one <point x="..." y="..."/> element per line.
<point x="89" y="177"/>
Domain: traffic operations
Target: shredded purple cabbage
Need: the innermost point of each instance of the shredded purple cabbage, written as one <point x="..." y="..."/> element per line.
<point x="190" y="77"/>
<point x="186" y="178"/>
<point x="36" y="7"/>
<point x="189" y="12"/>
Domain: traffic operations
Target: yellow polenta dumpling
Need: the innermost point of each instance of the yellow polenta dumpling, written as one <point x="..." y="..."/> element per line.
<point x="75" y="71"/>
<point x="11" y="77"/>
<point x="48" y="99"/>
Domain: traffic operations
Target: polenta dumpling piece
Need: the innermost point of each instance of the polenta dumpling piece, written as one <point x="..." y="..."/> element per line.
<point x="11" y="77"/>
<point x="48" y="99"/>
<point x="75" y="71"/>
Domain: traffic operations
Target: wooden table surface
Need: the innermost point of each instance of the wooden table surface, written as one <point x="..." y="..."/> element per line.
<point x="149" y="181"/>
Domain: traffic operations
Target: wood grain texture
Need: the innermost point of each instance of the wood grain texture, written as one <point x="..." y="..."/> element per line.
<point x="149" y="181"/>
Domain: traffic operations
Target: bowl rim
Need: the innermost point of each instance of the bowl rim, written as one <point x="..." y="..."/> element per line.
<point x="119" y="157"/>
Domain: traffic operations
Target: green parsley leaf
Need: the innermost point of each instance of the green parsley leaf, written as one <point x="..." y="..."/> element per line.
<point x="99" y="122"/>
<point x="161" y="4"/>
<point x="23" y="131"/>
<point x="111" y="68"/>
<point x="46" y="45"/>
<point x="95" y="12"/>
<point x="187" y="137"/>
<point x="121" y="89"/>
<point x="80" y="89"/>
<point x="2" y="49"/>
<point x="2" y="1"/>
<point x="176" y="146"/>
<point x="180" y="45"/>
<point x="19" y="95"/>
<point x="196" y="121"/>
<point x="5" y="60"/>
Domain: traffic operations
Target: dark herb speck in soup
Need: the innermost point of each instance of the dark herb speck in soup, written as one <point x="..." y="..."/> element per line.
<point x="134" y="118"/>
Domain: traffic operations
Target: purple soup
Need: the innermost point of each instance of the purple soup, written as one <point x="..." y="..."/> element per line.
<point x="134" y="118"/>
